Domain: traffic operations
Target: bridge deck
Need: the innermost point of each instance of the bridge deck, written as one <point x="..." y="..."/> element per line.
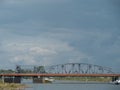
<point x="62" y="75"/>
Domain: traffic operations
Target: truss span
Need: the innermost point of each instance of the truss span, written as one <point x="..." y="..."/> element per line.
<point x="78" y="68"/>
<point x="68" y="68"/>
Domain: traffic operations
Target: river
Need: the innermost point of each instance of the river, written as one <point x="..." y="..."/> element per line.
<point x="72" y="86"/>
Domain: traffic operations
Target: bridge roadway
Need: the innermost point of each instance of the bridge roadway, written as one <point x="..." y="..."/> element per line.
<point x="60" y="75"/>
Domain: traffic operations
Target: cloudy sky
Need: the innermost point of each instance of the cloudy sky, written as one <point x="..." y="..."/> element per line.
<point x="48" y="32"/>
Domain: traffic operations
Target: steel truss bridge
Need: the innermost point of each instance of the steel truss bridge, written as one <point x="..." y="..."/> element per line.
<point x="62" y="70"/>
<point x="68" y="68"/>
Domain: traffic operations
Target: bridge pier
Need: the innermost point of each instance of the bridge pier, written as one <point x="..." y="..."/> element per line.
<point x="37" y="79"/>
<point x="41" y="80"/>
<point x="12" y="79"/>
<point x="115" y="78"/>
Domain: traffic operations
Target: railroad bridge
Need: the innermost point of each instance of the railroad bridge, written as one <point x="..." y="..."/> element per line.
<point x="61" y="70"/>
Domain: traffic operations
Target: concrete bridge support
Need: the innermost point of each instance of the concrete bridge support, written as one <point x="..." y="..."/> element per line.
<point x="115" y="78"/>
<point x="15" y="79"/>
<point x="38" y="79"/>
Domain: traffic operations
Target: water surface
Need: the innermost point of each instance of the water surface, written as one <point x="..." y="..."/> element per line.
<point x="73" y="86"/>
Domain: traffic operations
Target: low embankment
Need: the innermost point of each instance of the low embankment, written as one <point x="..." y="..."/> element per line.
<point x="11" y="86"/>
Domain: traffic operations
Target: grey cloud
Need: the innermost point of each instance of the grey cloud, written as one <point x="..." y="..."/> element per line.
<point x="72" y="16"/>
<point x="90" y="29"/>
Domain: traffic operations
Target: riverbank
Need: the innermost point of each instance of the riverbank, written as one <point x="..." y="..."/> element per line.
<point x="85" y="79"/>
<point x="11" y="86"/>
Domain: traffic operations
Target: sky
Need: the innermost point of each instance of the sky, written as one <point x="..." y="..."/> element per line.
<point x="49" y="32"/>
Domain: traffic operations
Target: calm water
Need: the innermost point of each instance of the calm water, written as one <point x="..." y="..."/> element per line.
<point x="75" y="86"/>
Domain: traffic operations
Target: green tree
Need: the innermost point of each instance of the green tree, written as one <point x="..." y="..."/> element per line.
<point x="39" y="69"/>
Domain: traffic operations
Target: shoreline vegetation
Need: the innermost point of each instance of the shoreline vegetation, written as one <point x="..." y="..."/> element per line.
<point x="11" y="86"/>
<point x="85" y="79"/>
